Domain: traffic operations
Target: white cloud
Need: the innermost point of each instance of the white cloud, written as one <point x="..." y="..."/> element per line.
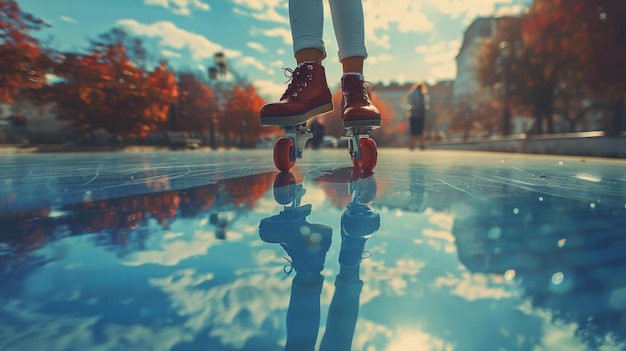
<point x="256" y="46"/>
<point x="407" y="14"/>
<point x="511" y="10"/>
<point x="262" y="10"/>
<point x="68" y="19"/>
<point x="379" y="58"/>
<point x="283" y="33"/>
<point x="180" y="7"/>
<point x="468" y="10"/>
<point x="170" y="53"/>
<point x="270" y="90"/>
<point x="251" y="61"/>
<point x="441" y="57"/>
<point x="277" y="63"/>
<point x="172" y="37"/>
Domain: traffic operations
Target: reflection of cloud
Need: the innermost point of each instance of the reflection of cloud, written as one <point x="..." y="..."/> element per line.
<point x="385" y="280"/>
<point x="31" y="330"/>
<point x="371" y="333"/>
<point x="417" y="339"/>
<point x="476" y="286"/>
<point x="440" y="240"/>
<point x="174" y="248"/>
<point x="236" y="312"/>
<point x="559" y="336"/>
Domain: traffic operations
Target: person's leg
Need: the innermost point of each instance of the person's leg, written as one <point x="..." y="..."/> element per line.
<point x="348" y="23"/>
<point x="353" y="64"/>
<point x="307" y="94"/>
<point x="306" y="18"/>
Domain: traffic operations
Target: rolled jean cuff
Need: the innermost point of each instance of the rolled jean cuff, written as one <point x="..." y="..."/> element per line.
<point x="351" y="51"/>
<point x="308" y="43"/>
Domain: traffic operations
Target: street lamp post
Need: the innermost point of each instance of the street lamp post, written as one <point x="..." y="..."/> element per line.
<point x="505" y="56"/>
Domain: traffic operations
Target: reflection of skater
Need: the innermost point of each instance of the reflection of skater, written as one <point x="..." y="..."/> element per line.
<point x="307" y="244"/>
<point x="417" y="102"/>
<point x="307" y="94"/>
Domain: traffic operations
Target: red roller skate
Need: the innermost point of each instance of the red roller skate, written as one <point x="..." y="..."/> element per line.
<point x="360" y="117"/>
<point x="306" y="97"/>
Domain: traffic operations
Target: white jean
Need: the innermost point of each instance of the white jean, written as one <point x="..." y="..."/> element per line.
<point x="307" y="23"/>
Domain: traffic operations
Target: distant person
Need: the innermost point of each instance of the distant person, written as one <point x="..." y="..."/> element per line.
<point x="307" y="94"/>
<point x="417" y="118"/>
<point x="318" y="131"/>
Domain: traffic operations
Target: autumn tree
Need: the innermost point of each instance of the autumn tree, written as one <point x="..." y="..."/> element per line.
<point x="241" y="115"/>
<point x="106" y="90"/>
<point x="22" y="61"/>
<point x="559" y="55"/>
<point x="522" y="76"/>
<point x="196" y="108"/>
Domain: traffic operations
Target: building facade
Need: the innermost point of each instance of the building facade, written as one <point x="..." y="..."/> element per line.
<point x="477" y="35"/>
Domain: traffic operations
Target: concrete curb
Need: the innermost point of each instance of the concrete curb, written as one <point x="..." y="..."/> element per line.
<point x="593" y="144"/>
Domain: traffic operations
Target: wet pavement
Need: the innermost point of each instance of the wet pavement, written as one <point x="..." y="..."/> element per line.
<point x="436" y="250"/>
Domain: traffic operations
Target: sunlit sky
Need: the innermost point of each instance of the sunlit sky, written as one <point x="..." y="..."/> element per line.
<point x="407" y="40"/>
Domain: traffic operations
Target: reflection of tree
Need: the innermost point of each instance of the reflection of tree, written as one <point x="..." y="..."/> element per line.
<point x="121" y="224"/>
<point x="566" y="254"/>
<point x="23" y="233"/>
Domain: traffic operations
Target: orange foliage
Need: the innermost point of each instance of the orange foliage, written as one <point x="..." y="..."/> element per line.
<point x="196" y="104"/>
<point x="105" y="90"/>
<point x="241" y="116"/>
<point x="22" y="63"/>
<point x="587" y="36"/>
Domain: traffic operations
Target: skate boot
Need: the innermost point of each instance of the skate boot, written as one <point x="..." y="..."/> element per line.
<point x="307" y="95"/>
<point x="359" y="221"/>
<point x="358" y="110"/>
<point x="359" y="117"/>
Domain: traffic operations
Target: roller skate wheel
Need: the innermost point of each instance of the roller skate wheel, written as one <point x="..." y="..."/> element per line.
<point x="284" y="154"/>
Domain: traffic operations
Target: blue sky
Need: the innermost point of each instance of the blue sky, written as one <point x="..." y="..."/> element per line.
<point x="407" y="40"/>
